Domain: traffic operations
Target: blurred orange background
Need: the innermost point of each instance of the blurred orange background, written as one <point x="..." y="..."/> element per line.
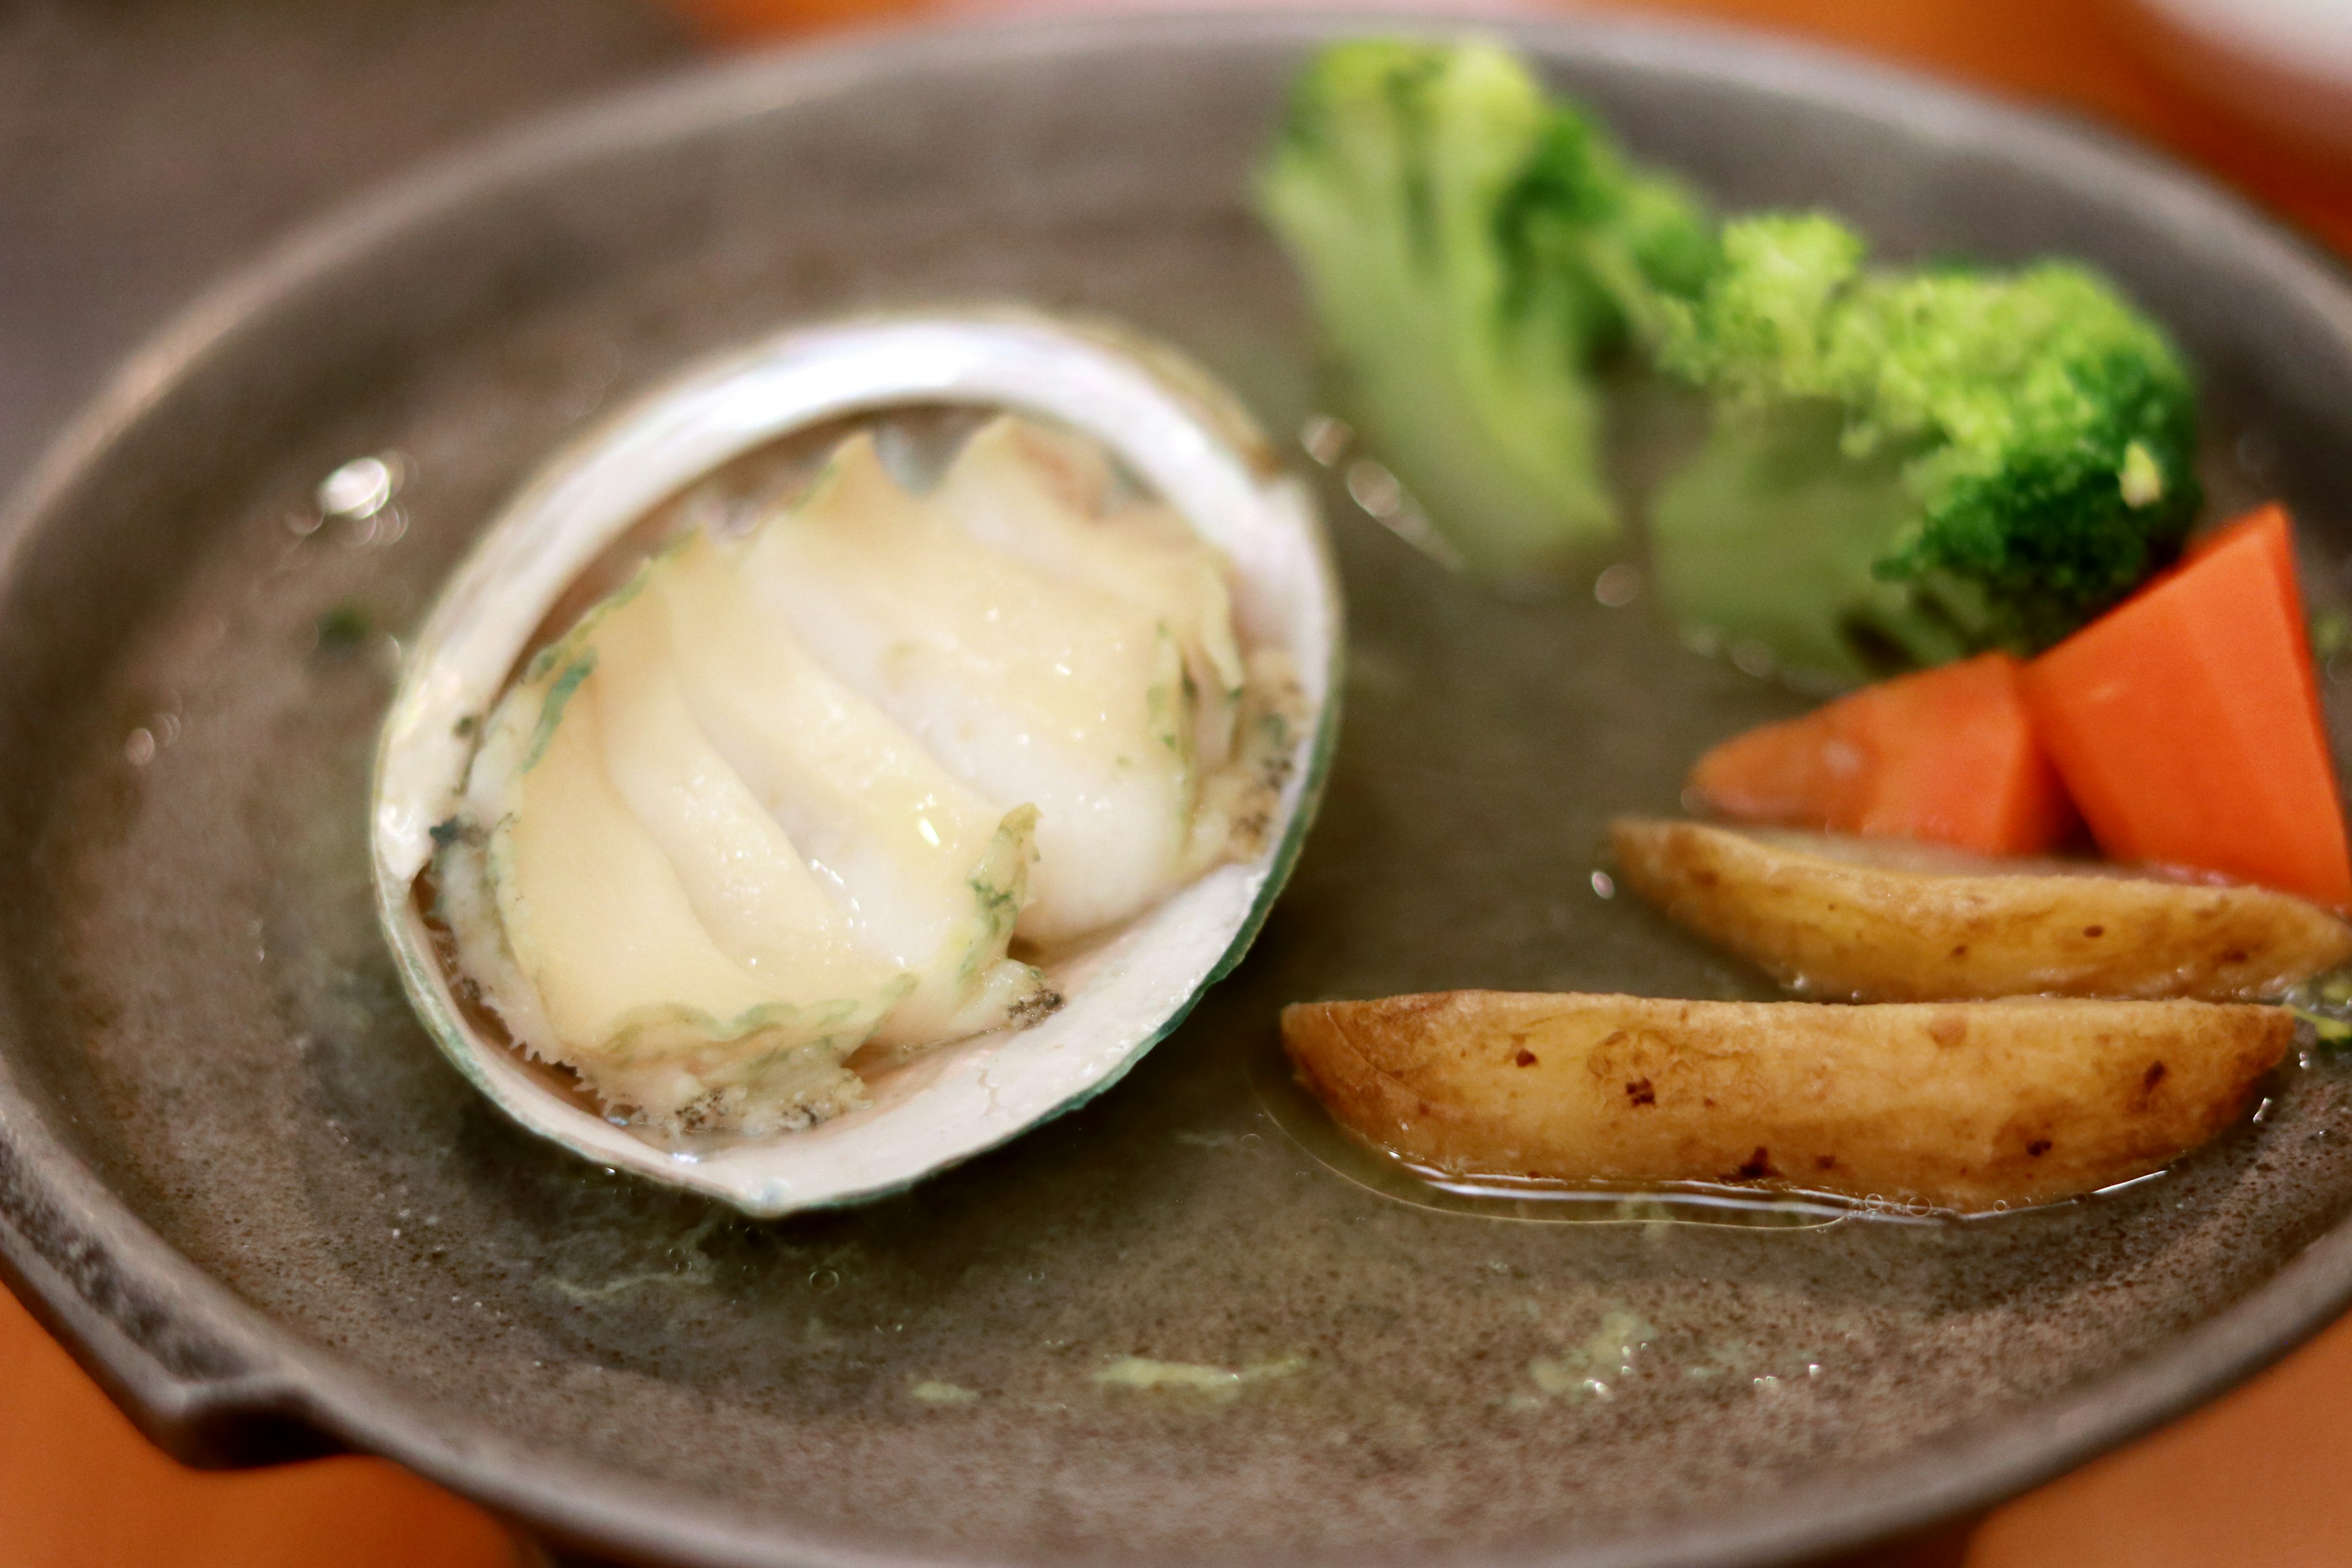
<point x="2258" y="1477"/>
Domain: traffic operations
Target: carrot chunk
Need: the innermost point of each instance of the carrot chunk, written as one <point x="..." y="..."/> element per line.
<point x="2187" y="724"/>
<point x="1948" y="754"/>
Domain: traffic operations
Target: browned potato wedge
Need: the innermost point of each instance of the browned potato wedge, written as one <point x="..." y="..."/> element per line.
<point x="1965" y="1105"/>
<point x="1881" y="920"/>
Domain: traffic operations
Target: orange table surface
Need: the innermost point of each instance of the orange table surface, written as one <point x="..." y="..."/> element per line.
<point x="2256" y="1478"/>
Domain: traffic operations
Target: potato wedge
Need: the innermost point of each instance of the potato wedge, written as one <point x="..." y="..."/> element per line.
<point x="1881" y="921"/>
<point x="1963" y="1105"/>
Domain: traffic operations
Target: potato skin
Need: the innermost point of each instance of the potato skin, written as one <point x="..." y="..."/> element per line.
<point x="1964" y="1105"/>
<point x="1835" y="925"/>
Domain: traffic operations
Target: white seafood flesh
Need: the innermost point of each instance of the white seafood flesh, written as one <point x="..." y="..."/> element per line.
<point x="678" y="1003"/>
<point x="787" y="793"/>
<point x="1084" y="679"/>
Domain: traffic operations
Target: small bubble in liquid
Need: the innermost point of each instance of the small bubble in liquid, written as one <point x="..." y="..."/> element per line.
<point x="1618" y="586"/>
<point x="823" y="1279"/>
<point x="1750" y="657"/>
<point x="139" y="746"/>
<point x="1604" y="884"/>
<point x="1326" y="439"/>
<point x="1374" y="489"/>
<point x="360" y="488"/>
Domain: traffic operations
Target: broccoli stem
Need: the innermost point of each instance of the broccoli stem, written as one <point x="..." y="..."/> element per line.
<point x="1508" y="470"/>
<point x="1769" y="537"/>
<point x="1473" y="250"/>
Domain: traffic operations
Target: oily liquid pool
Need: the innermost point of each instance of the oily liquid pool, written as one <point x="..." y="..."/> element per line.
<point x="1547" y="1201"/>
<point x="1309" y="1125"/>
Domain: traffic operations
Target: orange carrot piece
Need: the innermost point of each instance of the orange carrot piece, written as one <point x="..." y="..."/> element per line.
<point x="1948" y="754"/>
<point x="2187" y="724"/>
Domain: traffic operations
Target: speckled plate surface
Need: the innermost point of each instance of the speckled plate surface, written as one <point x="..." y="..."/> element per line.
<point x="237" y="1177"/>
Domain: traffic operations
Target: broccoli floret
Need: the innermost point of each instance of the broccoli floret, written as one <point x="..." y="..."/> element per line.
<point x="1472" y="248"/>
<point x="1911" y="463"/>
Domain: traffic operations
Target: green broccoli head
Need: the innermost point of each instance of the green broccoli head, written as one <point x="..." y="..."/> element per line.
<point x="2026" y="439"/>
<point x="1472" y="248"/>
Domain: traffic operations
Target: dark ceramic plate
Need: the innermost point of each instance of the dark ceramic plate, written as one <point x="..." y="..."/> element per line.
<point x="236" y="1175"/>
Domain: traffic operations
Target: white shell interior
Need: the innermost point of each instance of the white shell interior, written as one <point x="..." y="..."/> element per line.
<point x="1171" y="425"/>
